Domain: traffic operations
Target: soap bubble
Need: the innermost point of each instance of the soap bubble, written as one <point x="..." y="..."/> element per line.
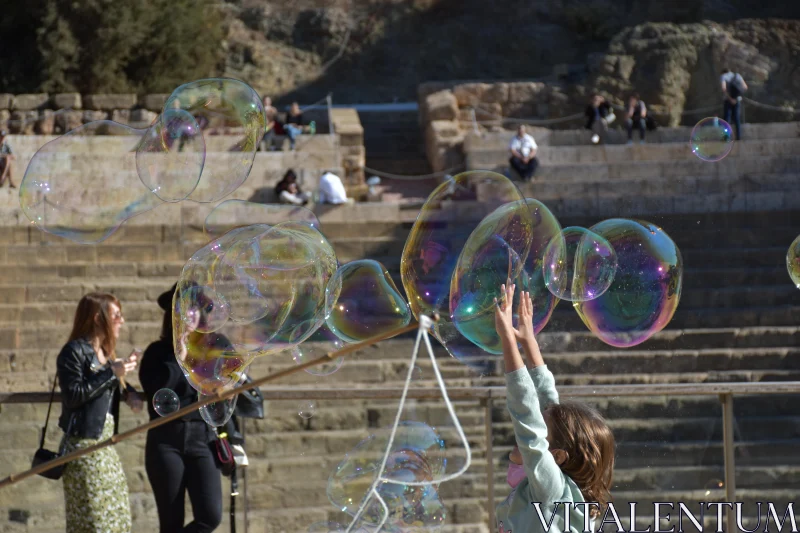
<point x="217" y="105"/>
<point x="322" y="341"/>
<point x="711" y="139"/>
<point x="579" y="266"/>
<point x="83" y="185"/>
<point x="444" y="225"/>
<point x="362" y="301"/>
<point x="216" y="414"/>
<point x="165" y="402"/>
<point x="646" y="289"/>
<point x="508" y="244"/>
<point x="306" y="409"/>
<point x="170" y="156"/>
<point x="416" y="456"/>
<point x="793" y="262"/>
<point x="232" y="214"/>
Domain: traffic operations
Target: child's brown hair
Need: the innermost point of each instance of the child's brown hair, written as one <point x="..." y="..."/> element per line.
<point x="583" y="433"/>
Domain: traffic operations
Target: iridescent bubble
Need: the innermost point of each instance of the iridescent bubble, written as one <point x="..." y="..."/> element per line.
<point x="83" y="185"/>
<point x="216" y="414"/>
<point x="646" y="289"/>
<point x="222" y="105"/>
<point x="362" y="301"/>
<point x="579" y="265"/>
<point x="508" y="244"/>
<point x="445" y="223"/>
<point x="165" y="402"/>
<point x="170" y="157"/>
<point x="793" y="262"/>
<point x="321" y="342"/>
<point x="307" y="409"/>
<point x="232" y="214"/>
<point x="202" y="309"/>
<point x="416" y="456"/>
<point x="711" y="139"/>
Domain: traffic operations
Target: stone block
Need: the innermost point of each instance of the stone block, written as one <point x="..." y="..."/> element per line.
<point x="142" y="116"/>
<point x="470" y="94"/>
<point x="29" y="102"/>
<point x="441" y="106"/>
<point x="524" y="92"/>
<point x="6" y="100"/>
<point x="153" y="102"/>
<point x="68" y="120"/>
<point x="46" y="123"/>
<point x="22" y="122"/>
<point x="92" y="116"/>
<point x="625" y="66"/>
<point x="424" y="89"/>
<point x="123" y="116"/>
<point x="5" y="115"/>
<point x="67" y="101"/>
<point x="438" y="130"/>
<point x="496" y="93"/>
<point x="110" y="102"/>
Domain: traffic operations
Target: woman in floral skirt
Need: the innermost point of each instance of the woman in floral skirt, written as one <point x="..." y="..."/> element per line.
<point x="91" y="378"/>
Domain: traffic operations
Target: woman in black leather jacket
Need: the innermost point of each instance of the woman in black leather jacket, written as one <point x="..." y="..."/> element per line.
<point x="95" y="489"/>
<point x="178" y="456"/>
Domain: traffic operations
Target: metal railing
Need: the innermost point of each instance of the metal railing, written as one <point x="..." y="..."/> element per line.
<point x="487" y="395"/>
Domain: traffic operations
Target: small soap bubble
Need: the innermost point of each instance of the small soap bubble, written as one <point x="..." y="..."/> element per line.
<point x="222" y="105"/>
<point x="84" y="185"/>
<point x="216" y="414"/>
<point x="362" y="301"/>
<point x="646" y="289"/>
<point x="711" y="139"/>
<point x="793" y="262"/>
<point x="306" y="409"/>
<point x="579" y="265"/>
<point x="165" y="402"/>
<point x="318" y="344"/>
<point x="170" y="156"/>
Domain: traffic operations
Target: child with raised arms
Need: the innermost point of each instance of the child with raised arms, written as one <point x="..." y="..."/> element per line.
<point x="564" y="452"/>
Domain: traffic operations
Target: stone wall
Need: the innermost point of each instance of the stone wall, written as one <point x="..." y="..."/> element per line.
<point x="449" y="111"/>
<point x="45" y="114"/>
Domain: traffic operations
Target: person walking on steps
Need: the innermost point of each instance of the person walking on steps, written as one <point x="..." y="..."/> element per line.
<point x="733" y="86"/>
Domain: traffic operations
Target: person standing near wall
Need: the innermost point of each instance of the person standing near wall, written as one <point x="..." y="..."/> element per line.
<point x="733" y="86"/>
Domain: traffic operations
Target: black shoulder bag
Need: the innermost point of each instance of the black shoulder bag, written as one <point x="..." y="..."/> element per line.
<point x="43" y="455"/>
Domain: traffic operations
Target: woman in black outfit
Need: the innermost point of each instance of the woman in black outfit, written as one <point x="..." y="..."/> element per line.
<point x="178" y="455"/>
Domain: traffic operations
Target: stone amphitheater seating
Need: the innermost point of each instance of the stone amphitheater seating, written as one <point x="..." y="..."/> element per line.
<point x="739" y="320"/>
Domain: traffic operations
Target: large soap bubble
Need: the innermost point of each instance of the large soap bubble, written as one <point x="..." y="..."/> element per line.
<point x="646" y="289"/>
<point x="83" y="185"/>
<point x="711" y="139"/>
<point x="416" y="456"/>
<point x="579" y="266"/>
<point x="435" y="243"/>
<point x="170" y="156"/>
<point x="793" y="262"/>
<point x="219" y="105"/>
<point x="232" y="214"/>
<point x="508" y="244"/>
<point x="362" y="301"/>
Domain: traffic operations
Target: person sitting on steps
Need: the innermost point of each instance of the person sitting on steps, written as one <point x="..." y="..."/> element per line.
<point x="523" y="150"/>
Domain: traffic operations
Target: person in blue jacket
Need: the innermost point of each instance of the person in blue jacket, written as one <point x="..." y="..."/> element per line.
<point x="564" y="454"/>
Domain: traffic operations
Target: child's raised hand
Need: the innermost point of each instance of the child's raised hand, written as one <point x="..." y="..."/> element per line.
<point x="503" y="316"/>
<point x="525" y="332"/>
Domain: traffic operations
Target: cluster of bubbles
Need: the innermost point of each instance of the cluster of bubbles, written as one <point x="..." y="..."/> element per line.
<point x="266" y="289"/>
<point x="86" y="183"/>
<point x="623" y="276"/>
<point x="711" y="139"/>
<point x="415" y="463"/>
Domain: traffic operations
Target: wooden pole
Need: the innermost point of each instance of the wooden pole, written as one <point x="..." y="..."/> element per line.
<point x="347" y="350"/>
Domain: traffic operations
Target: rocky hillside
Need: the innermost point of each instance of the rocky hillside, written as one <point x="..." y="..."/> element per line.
<point x="381" y="50"/>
